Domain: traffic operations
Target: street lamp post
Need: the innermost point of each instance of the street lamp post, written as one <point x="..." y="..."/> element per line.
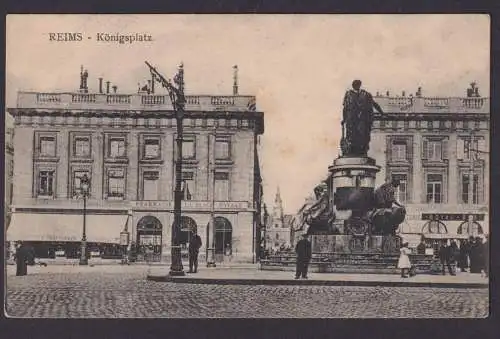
<point x="84" y="188"/>
<point x="176" y="268"/>
<point x="125" y="240"/>
<point x="178" y="100"/>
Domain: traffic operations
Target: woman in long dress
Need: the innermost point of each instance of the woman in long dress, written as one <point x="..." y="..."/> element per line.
<point x="404" y="260"/>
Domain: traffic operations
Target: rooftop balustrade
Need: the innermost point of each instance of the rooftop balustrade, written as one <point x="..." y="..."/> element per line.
<point x="38" y="100"/>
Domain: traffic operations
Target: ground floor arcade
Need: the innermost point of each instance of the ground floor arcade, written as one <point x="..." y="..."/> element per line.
<point x="58" y="233"/>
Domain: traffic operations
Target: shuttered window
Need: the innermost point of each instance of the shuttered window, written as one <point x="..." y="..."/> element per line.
<point x="434" y="149"/>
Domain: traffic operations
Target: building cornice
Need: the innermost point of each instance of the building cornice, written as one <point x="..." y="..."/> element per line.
<point x="431" y="116"/>
<point x="137" y="118"/>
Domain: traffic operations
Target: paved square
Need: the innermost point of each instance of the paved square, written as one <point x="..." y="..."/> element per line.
<point x="116" y="292"/>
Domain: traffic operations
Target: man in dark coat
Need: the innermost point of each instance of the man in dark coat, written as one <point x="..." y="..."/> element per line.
<point x="194" y="249"/>
<point x="304" y="254"/>
<point x="475" y="255"/>
<point x="445" y="256"/>
<point x="463" y="256"/>
<point x="21" y="260"/>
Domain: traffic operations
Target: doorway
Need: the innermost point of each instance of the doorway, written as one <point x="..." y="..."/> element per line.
<point x="149" y="238"/>
<point x="223" y="238"/>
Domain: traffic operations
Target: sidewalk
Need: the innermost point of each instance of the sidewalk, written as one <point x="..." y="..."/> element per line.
<point x="254" y="276"/>
<point x="77" y="269"/>
<point x="71" y="262"/>
<point x="112" y="267"/>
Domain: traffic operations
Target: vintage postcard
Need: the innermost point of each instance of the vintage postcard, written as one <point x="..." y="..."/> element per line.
<point x="247" y="166"/>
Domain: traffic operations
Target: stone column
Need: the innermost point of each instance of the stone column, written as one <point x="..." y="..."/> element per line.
<point x="132" y="168"/>
<point x="453" y="181"/>
<point x="63" y="144"/>
<point x="98" y="181"/>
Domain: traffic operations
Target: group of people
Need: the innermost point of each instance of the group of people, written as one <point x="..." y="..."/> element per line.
<point x="472" y="254"/>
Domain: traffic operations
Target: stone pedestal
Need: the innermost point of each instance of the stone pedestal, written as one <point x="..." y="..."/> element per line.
<point x="352" y="244"/>
<point x="353" y="182"/>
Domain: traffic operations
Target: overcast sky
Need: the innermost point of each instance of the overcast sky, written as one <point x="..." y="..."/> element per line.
<point x="298" y="66"/>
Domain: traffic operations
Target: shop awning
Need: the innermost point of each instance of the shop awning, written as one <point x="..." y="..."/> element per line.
<point x="65" y="227"/>
<point x="445" y="236"/>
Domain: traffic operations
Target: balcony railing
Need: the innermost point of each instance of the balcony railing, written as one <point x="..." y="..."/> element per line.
<point x="132" y="101"/>
<point x="433" y="105"/>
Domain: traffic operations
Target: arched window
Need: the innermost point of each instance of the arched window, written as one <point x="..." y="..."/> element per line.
<point x="223" y="236"/>
<point x="149" y="235"/>
<point x="188" y="228"/>
<point x="435" y="227"/>
<point x="474" y="229"/>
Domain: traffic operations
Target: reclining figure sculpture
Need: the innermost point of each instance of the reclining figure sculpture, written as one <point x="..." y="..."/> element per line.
<point x="381" y="216"/>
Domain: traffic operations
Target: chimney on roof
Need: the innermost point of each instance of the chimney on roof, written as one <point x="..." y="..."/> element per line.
<point x="419" y="92"/>
<point x="115" y="88"/>
<point x="107" y="86"/>
<point x="378" y="94"/>
<point x="81" y="78"/>
<point x="100" y="85"/>
<point x="235" y="80"/>
<point x="403" y="94"/>
<point x="85" y="77"/>
<point x="387" y="93"/>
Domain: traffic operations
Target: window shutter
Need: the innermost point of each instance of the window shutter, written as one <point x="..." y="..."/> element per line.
<point x="460" y="148"/>
<point x="444" y="146"/>
<point x="481" y="146"/>
<point x="425" y="149"/>
<point x="409" y="149"/>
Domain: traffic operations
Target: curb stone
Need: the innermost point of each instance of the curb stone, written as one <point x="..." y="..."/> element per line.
<point x="274" y="282"/>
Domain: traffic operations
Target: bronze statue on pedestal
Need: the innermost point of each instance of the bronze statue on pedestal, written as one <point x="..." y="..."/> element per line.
<point x="357" y="121"/>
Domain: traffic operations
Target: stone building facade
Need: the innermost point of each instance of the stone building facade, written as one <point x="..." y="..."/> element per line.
<point x="126" y="144"/>
<point x="439" y="150"/>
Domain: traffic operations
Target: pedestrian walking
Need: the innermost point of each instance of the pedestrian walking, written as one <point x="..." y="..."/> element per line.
<point x="194" y="249"/>
<point x="404" y="260"/>
<point x="445" y="257"/>
<point x="475" y="255"/>
<point x="21" y="260"/>
<point x="303" y="250"/>
<point x="454" y="255"/>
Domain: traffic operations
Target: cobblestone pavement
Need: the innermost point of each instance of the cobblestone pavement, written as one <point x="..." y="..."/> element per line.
<point x="128" y="294"/>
